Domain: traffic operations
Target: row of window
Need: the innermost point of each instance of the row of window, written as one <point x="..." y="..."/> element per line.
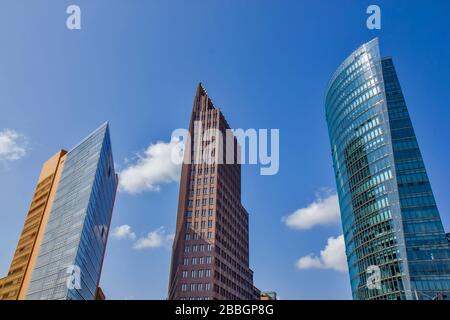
<point x="400" y="123"/>
<point x="421" y="187"/>
<point x="371" y="194"/>
<point x="357" y="106"/>
<point x="366" y="144"/>
<point x="203" y="202"/>
<point x="372" y="243"/>
<point x="200" y="181"/>
<point x="198" y="236"/>
<point x="195" y="287"/>
<point x="375" y="219"/>
<point x="387" y="287"/>
<point x="360" y="87"/>
<point x="202" y="170"/>
<point x="199" y="191"/>
<point x="366" y="192"/>
<point x="432" y="285"/>
<point x="427" y="255"/>
<point x="197" y="274"/>
<point x="371" y="207"/>
<point x="382" y="242"/>
<point x="412" y="177"/>
<point x="198" y="248"/>
<point x="197" y="260"/>
<point x="347" y="77"/>
<point x="423" y="226"/>
<point x="196" y="224"/>
<point x="411" y="164"/>
<point x="419" y="213"/>
<point x="374" y="181"/>
<point x="343" y="131"/>
<point x="420" y="200"/>
<point x="188" y="213"/>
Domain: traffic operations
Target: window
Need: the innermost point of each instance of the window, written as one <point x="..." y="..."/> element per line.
<point x="186" y="261"/>
<point x="184" y="287"/>
<point x="210" y="235"/>
<point x="188" y="214"/>
<point x="208" y="260"/>
<point x="185" y="274"/>
<point x="210" y="212"/>
<point x="210" y="223"/>
<point x="208" y="273"/>
<point x="207" y="286"/>
<point x="188" y="236"/>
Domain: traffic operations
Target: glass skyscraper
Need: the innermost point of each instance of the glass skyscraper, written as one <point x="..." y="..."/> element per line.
<point x="71" y="253"/>
<point x="395" y="243"/>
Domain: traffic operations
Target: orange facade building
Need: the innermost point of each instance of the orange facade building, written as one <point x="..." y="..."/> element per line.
<point x="61" y="249"/>
<point x="14" y="286"/>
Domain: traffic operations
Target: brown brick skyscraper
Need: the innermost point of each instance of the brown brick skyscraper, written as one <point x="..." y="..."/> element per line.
<point x="210" y="257"/>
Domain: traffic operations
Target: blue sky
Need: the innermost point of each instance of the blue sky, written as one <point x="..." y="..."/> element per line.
<point x="266" y="63"/>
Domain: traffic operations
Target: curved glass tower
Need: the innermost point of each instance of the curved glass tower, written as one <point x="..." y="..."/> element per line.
<point x="395" y="243"/>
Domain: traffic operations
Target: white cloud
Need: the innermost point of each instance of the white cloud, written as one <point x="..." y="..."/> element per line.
<point x="331" y="257"/>
<point x="322" y="211"/>
<point x="155" y="239"/>
<point x="12" y="145"/>
<point x="152" y="168"/>
<point x="123" y="232"/>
